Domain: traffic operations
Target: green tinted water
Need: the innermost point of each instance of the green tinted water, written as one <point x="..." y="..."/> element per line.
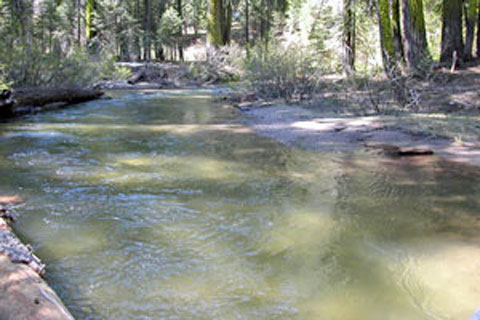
<point x="164" y="206"/>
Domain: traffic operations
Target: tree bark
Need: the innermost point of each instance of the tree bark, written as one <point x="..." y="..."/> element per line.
<point x="89" y="14"/>
<point x="414" y="34"/>
<point x="452" y="40"/>
<point x="247" y="25"/>
<point x="386" y="36"/>
<point x="227" y="23"/>
<point x="147" y="27"/>
<point x="215" y="17"/>
<point x="136" y="40"/>
<point x="397" y="32"/>
<point x="478" y="30"/>
<point x="180" y="44"/>
<point x="349" y="41"/>
<point x="470" y="12"/>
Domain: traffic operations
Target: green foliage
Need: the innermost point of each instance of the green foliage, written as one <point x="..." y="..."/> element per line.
<point x="433" y="20"/>
<point x="4" y="85"/>
<point x="291" y="72"/>
<point x="111" y="71"/>
<point x="194" y="14"/>
<point x="168" y="30"/>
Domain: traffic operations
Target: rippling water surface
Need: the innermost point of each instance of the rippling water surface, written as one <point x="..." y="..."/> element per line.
<point x="163" y="206"/>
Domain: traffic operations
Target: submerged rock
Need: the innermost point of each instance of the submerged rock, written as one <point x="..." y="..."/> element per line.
<point x="393" y="150"/>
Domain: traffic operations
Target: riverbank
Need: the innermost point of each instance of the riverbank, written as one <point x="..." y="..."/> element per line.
<point x="399" y="136"/>
<point x="442" y="118"/>
<point x="23" y="292"/>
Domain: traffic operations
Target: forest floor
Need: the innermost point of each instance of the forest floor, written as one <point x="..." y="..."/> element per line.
<point x="445" y="119"/>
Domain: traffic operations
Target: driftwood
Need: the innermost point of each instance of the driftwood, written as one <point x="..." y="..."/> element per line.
<point x="149" y="73"/>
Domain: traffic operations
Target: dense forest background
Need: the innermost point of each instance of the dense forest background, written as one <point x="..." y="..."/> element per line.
<point x="280" y="46"/>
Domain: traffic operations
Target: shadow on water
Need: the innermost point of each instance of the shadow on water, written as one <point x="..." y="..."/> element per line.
<point x="150" y="206"/>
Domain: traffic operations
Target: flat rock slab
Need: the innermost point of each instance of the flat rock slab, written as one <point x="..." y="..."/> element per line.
<point x="24" y="295"/>
<point x="394" y="150"/>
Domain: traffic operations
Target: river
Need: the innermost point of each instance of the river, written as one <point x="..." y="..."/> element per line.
<point x="165" y="206"/>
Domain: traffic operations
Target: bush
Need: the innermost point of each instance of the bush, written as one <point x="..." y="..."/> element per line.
<point x="292" y="72"/>
<point x="4" y="85"/>
<point x="77" y="68"/>
<point x="223" y="65"/>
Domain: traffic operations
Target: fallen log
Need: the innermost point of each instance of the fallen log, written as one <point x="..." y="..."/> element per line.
<point x="6" y="103"/>
<point x="23" y="293"/>
<point x="27" y="100"/>
<point x="39" y="97"/>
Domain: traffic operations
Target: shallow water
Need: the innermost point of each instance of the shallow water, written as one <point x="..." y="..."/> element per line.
<point x="163" y="206"/>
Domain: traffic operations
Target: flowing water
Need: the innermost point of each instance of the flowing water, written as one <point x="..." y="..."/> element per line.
<point x="163" y="206"/>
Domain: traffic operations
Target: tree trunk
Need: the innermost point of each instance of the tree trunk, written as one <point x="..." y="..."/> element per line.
<point x="349" y="36"/>
<point x="386" y="36"/>
<point x="215" y="21"/>
<point x="215" y="13"/>
<point x="247" y="23"/>
<point x="470" y="11"/>
<point x="414" y="34"/>
<point x="89" y="13"/>
<point x="180" y="40"/>
<point x="397" y="32"/>
<point x="79" y="22"/>
<point x="478" y="30"/>
<point x="452" y="40"/>
<point x="136" y="39"/>
<point x="265" y="21"/>
<point x="227" y="23"/>
<point x="147" y="27"/>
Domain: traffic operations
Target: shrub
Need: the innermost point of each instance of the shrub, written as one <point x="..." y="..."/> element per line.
<point x="223" y="65"/>
<point x="290" y="72"/>
<point x="77" y="68"/>
<point x="4" y="85"/>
